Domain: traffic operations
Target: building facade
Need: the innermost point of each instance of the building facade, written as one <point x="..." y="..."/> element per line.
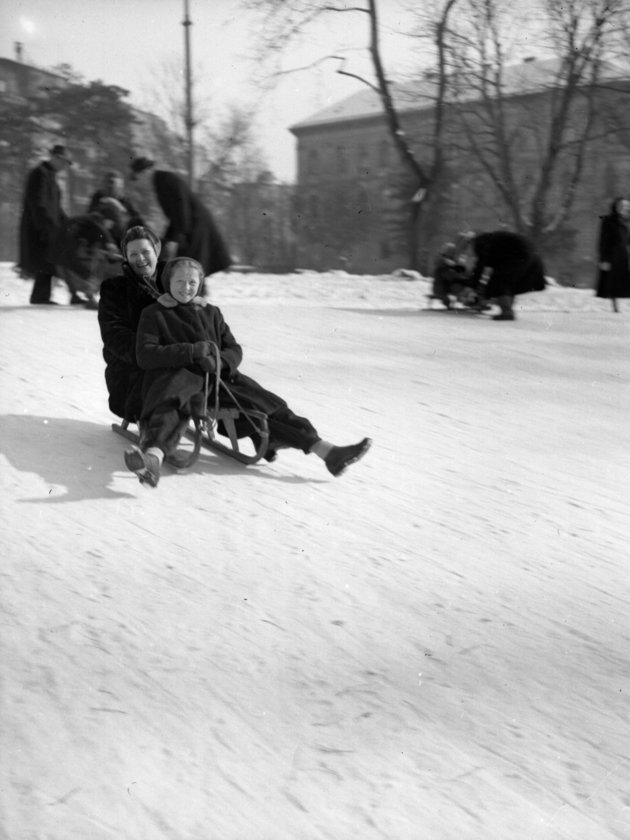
<point x="354" y="193"/>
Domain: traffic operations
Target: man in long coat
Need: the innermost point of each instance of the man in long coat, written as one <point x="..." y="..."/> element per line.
<point x="192" y="231"/>
<point x="42" y="218"/>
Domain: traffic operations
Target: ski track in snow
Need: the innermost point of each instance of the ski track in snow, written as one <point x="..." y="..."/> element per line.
<point x="434" y="645"/>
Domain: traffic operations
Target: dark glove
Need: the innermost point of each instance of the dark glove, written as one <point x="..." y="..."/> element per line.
<point x="207" y="364"/>
<point x="201" y="349"/>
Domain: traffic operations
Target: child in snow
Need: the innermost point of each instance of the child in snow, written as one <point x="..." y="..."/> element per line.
<point x="449" y="275"/>
<point x="175" y="346"/>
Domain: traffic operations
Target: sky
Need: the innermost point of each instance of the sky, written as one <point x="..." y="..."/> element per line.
<point x="131" y="44"/>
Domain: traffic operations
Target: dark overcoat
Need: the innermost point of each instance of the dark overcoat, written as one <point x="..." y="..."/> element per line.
<point x="165" y="347"/>
<point x="190" y="223"/>
<point x="74" y="243"/>
<point x="516" y="266"/>
<point x="42" y="216"/>
<point x="614" y="248"/>
<point x="121" y="303"/>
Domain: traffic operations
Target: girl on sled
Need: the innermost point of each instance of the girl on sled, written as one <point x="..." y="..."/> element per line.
<point x="181" y="338"/>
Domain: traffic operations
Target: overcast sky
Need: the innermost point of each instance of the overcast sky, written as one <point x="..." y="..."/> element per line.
<point x="128" y="43"/>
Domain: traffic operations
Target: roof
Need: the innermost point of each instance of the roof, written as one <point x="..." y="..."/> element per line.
<point x="531" y="76"/>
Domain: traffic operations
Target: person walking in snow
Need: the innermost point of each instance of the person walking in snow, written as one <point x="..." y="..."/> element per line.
<point x="191" y="231"/>
<point x="613" y="280"/>
<point x="175" y="346"/>
<point x="506" y="264"/>
<point x="42" y="219"/>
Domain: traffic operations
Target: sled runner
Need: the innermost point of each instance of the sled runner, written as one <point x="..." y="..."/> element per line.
<point x="209" y="426"/>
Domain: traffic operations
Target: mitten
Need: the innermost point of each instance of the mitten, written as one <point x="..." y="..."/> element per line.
<point x="201" y="349"/>
<point x="207" y="364"/>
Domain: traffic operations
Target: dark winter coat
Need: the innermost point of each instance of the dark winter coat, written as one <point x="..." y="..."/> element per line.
<point x="190" y="223"/>
<point x="516" y="266"/>
<point x="75" y="243"/>
<point x="42" y="217"/>
<point x="614" y="248"/>
<point x="165" y="343"/>
<point x="121" y="303"/>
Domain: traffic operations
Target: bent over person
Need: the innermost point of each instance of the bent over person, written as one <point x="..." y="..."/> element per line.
<point x="512" y="266"/>
<point x="191" y="231"/>
<point x="176" y="341"/>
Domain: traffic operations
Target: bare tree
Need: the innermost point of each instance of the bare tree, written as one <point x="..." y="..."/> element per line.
<point x="531" y="150"/>
<point x="288" y="20"/>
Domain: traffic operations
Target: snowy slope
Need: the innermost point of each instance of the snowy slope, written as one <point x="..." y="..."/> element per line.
<point x="434" y="645"/>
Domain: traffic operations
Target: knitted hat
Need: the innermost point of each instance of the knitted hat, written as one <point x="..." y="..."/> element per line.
<point x="140" y="232"/>
<point x="171" y="265"/>
<point x="139" y="164"/>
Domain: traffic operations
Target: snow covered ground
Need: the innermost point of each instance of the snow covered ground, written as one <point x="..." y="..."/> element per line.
<point x="434" y="645"/>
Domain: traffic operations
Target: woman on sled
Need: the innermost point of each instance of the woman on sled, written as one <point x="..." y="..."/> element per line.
<point x="182" y="337"/>
<point x="122" y="301"/>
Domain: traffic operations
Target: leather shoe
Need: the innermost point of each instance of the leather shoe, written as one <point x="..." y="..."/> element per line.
<point x="340" y="457"/>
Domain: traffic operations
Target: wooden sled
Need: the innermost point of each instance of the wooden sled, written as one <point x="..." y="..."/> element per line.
<point x="203" y="430"/>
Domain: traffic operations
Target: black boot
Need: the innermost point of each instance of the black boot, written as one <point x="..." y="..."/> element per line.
<point x="340" y="457"/>
<point x="507" y="313"/>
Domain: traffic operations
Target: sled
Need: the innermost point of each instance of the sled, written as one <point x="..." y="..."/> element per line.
<point x="203" y="430"/>
<point x="460" y="302"/>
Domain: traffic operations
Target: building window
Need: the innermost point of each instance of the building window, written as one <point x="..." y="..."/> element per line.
<point x="312" y="162"/>
<point x="342" y="159"/>
<point x="363" y="161"/>
<point x="363" y="200"/>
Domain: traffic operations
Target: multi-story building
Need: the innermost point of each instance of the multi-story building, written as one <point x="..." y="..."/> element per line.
<point x="354" y="195"/>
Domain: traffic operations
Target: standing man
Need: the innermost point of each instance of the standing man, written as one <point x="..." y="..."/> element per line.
<point x="42" y="218"/>
<point x="191" y="231"/>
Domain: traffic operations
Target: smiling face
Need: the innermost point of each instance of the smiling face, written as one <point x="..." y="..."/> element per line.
<point x="141" y="256"/>
<point x="184" y="283"/>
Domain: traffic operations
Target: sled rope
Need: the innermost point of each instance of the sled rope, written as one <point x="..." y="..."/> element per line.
<point x="221" y="384"/>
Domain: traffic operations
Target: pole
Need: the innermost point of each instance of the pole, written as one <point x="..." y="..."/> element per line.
<point x="187" y="23"/>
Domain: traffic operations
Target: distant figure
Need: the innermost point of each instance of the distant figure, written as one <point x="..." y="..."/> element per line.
<point x="450" y="277"/>
<point x="42" y="218"/>
<point x="84" y="253"/>
<point x="507" y="264"/>
<point x="192" y="231"/>
<point x="614" y="253"/>
<point x="114" y="188"/>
